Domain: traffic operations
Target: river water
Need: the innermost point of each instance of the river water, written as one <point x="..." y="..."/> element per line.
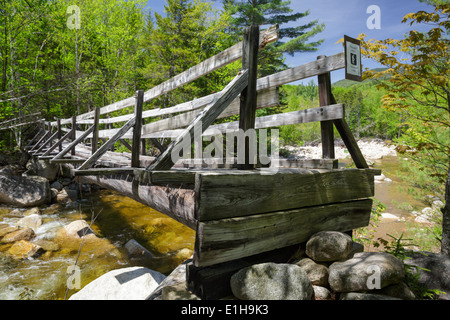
<point x="119" y="219"/>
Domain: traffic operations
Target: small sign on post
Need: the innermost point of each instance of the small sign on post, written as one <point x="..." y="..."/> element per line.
<point x="353" y="66"/>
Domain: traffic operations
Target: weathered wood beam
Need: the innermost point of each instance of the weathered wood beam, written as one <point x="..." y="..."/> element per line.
<point x="229" y="239"/>
<point x="307" y="70"/>
<point x="218" y="195"/>
<point x="58" y="127"/>
<point x="136" y="144"/>
<point x="349" y="140"/>
<point x="73" y="144"/>
<point x="90" y="162"/>
<point x="74" y="133"/>
<point x="58" y="144"/>
<point x="204" y="119"/>
<point x="247" y="110"/>
<point x="326" y="127"/>
<point x="103" y="171"/>
<point x="175" y="202"/>
<point x="67" y="160"/>
<point x="126" y="144"/>
<point x="43" y="145"/>
<point x="294" y="117"/>
<point x="309" y="115"/>
<point x="47" y="133"/>
<point x="94" y="143"/>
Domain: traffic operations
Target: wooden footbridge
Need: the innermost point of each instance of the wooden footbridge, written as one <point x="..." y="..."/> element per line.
<point x="243" y="213"/>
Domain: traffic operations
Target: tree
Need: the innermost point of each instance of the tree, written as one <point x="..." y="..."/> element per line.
<point x="268" y="12"/>
<point x="419" y="89"/>
<point x="190" y="32"/>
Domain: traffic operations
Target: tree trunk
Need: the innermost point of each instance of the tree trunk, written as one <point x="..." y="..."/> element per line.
<point x="445" y="244"/>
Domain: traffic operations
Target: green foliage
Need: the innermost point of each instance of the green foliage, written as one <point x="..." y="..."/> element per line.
<point x="363" y="111"/>
<point x="190" y="32"/>
<point x="398" y="248"/>
<point x="366" y="235"/>
<point x="268" y="12"/>
<point x="294" y="98"/>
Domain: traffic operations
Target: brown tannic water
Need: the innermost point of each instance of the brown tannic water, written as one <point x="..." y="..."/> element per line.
<point x="121" y="219"/>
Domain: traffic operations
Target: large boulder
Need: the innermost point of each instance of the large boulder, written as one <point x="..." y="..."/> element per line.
<point x="271" y="281"/>
<point x="366" y="271"/>
<point x="176" y="279"/>
<point x="134" y="283"/>
<point x="329" y="246"/>
<point x="21" y="191"/>
<point x="42" y="168"/>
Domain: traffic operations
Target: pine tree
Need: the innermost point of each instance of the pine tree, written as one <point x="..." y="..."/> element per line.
<point x="268" y="12"/>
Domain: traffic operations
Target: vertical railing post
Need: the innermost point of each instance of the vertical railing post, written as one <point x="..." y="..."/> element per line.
<point x="50" y="129"/>
<point x="94" y="143"/>
<point x="59" y="136"/>
<point x="74" y="133"/>
<point x="247" y="111"/>
<point x="326" y="127"/>
<point x="136" y="145"/>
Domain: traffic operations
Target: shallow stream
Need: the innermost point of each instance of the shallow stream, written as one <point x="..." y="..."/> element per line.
<point x="119" y="219"/>
<point x="116" y="218"/>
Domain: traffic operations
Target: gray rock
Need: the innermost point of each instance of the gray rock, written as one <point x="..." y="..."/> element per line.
<point x="329" y="246"/>
<point x="437" y="273"/>
<point x="77" y="229"/>
<point x="178" y="291"/>
<point x="23" y="191"/>
<point x="136" y="251"/>
<point x="175" y="278"/>
<point x="321" y="293"/>
<point x="22" y="234"/>
<point x="399" y="290"/>
<point x="271" y="281"/>
<point x="317" y="273"/>
<point x="12" y="170"/>
<point x="133" y="283"/>
<point x="57" y="185"/>
<point x="366" y="271"/>
<point x="356" y="247"/>
<point x="33" y="221"/>
<point x="16" y="213"/>
<point x="31" y="211"/>
<point x="364" y="296"/>
<point x="42" y="168"/>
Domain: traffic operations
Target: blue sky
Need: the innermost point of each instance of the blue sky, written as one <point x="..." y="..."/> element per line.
<point x="343" y="17"/>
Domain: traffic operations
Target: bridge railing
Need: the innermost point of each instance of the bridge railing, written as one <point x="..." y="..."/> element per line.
<point x="232" y="100"/>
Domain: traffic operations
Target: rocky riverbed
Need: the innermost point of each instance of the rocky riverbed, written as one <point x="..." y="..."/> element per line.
<point x="42" y="227"/>
<point x="46" y="218"/>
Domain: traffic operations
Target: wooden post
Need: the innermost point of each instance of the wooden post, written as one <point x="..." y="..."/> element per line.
<point x="74" y="132"/>
<point x="94" y="143"/>
<point x="326" y="127"/>
<point x="247" y="112"/>
<point x="50" y="129"/>
<point x="59" y="136"/>
<point x="136" y="145"/>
